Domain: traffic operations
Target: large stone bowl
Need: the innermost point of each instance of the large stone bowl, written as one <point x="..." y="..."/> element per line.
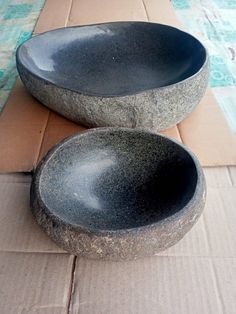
<point x="117" y="194"/>
<point x="124" y="74"/>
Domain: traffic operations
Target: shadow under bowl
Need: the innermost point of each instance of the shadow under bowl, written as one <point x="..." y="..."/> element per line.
<point x="124" y="74"/>
<point x="117" y="194"/>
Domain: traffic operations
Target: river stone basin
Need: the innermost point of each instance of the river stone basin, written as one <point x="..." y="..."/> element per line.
<point x="127" y="74"/>
<point x="117" y="194"/>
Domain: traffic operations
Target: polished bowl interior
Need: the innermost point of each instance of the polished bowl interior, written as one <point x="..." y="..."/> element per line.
<point x="113" y="59"/>
<point x="115" y="179"/>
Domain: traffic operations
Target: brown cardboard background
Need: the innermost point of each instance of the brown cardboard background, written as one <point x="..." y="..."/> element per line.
<point x="197" y="275"/>
<point x="207" y="133"/>
<point x="154" y="285"/>
<point x="19" y="231"/>
<point x="35" y="283"/>
<point x="55" y="14"/>
<point x="87" y="12"/>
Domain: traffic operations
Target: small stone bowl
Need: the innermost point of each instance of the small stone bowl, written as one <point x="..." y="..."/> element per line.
<point x="117" y="194"/>
<point x="122" y="74"/>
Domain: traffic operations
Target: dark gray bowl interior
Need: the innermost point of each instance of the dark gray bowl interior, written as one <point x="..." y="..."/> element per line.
<point x="112" y="179"/>
<point x="113" y="59"/>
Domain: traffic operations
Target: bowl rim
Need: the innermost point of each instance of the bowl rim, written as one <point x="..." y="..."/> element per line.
<point x="99" y="95"/>
<point x="200" y="189"/>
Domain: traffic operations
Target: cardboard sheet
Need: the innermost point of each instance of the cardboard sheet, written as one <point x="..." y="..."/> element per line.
<point x="18" y="230"/>
<point x="96" y="11"/>
<point x="163" y="284"/>
<point x="35" y="283"/>
<point x="208" y="135"/>
<point x="22" y="126"/>
<point x="28" y="129"/>
<point x="197" y="275"/>
<point x="232" y="175"/>
<point x="55" y="14"/>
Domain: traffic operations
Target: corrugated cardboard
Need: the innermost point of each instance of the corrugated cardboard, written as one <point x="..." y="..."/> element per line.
<point x="28" y="129"/>
<point x="96" y="11"/>
<point x="197" y="275"/>
<point x="167" y="285"/>
<point x="219" y="219"/>
<point x="18" y="230"/>
<point x="232" y="175"/>
<point x="200" y="270"/>
<point x="22" y="126"/>
<point x="161" y="12"/>
<point x="217" y="177"/>
<point x="35" y="283"/>
<point x="57" y="129"/>
<point x="207" y="122"/>
<point x="225" y="274"/>
<point x="55" y="14"/>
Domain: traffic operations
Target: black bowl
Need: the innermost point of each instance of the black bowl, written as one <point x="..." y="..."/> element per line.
<point x="116" y="74"/>
<point x="117" y="193"/>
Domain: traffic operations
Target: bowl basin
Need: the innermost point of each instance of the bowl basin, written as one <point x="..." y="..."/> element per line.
<point x="126" y="74"/>
<point x="117" y="193"/>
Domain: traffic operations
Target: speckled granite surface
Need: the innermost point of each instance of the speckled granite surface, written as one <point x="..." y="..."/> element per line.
<point x="148" y="83"/>
<point x="117" y="194"/>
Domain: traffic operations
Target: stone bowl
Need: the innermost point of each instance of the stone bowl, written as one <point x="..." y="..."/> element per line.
<point x="123" y="74"/>
<point x="117" y="193"/>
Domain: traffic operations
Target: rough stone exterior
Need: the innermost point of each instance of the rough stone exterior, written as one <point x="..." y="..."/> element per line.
<point x="124" y="244"/>
<point x="155" y="109"/>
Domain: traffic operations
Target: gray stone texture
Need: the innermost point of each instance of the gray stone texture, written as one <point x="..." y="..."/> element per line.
<point x="156" y="109"/>
<point x="122" y="74"/>
<point x="117" y="194"/>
